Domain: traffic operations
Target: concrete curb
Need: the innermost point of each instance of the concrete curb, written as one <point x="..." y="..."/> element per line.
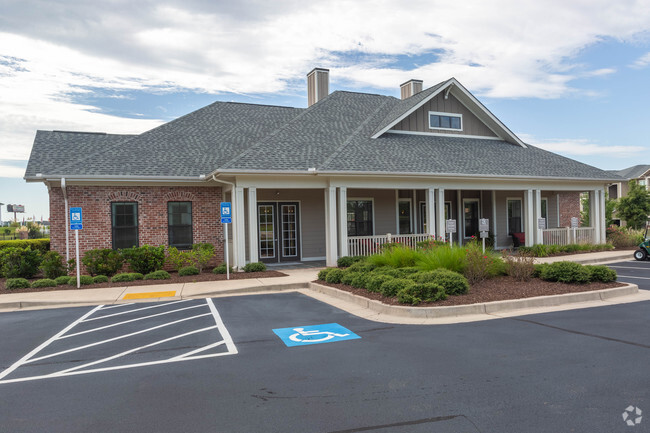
<point x="611" y="258"/>
<point x="473" y="309"/>
<point x="251" y="289"/>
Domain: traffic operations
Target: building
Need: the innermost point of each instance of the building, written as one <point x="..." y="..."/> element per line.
<point x="316" y="183"/>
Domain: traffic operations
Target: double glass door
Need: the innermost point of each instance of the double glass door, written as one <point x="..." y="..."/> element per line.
<point x="277" y="225"/>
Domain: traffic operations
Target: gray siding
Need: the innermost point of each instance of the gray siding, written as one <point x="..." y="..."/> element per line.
<point x="418" y="121"/>
<point x="384" y="209"/>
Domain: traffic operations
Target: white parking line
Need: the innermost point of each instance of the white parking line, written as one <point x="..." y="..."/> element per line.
<point x="137" y="309"/>
<point x="630" y="267"/>
<point x="630" y="276"/>
<point x="108" y="307"/>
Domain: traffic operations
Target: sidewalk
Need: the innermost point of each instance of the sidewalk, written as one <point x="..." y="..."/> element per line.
<point x="299" y="280"/>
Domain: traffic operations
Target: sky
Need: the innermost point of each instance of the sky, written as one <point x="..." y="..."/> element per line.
<point x="571" y="77"/>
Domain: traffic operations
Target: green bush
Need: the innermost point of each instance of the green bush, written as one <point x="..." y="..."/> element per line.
<point x="521" y="266"/>
<point x="322" y="274"/>
<point x="348" y="276"/>
<point x="100" y="279"/>
<point x="565" y="272"/>
<point x="360" y="280"/>
<point x="601" y="273"/>
<point x="145" y="259"/>
<point x="397" y="257"/>
<point x="451" y="258"/>
<point x="179" y="259"/>
<point x="361" y="266"/>
<point x="45" y="282"/>
<point x="158" y="275"/>
<point x="334" y="276"/>
<point x="19" y="262"/>
<point x="453" y="282"/>
<point x="188" y="270"/>
<point x="52" y="265"/>
<point x="201" y="254"/>
<point x="17" y="283"/>
<point x="376" y="280"/>
<point x="42" y="245"/>
<point x="221" y="269"/>
<point x="255" y="267"/>
<point x="347" y="261"/>
<point x="63" y="279"/>
<point x="102" y="261"/>
<point x="425" y="292"/>
<point x="390" y="288"/>
<point x="125" y="277"/>
<point x="83" y="279"/>
<point x="137" y="276"/>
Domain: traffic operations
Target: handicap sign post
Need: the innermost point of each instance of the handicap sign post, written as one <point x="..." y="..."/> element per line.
<point x="315" y="334"/>
<point x="76" y="224"/>
<point x="226" y="218"/>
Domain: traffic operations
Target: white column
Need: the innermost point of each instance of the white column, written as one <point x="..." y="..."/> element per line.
<point x="593" y="214"/>
<point x="330" y="226"/>
<point x="603" y="218"/>
<point x="238" y="222"/>
<point x="528" y="204"/>
<point x="460" y="218"/>
<point x="440" y="213"/>
<point x="415" y="208"/>
<point x="494" y="217"/>
<point x="429" y="205"/>
<point x="252" y="225"/>
<point x="343" y="221"/>
<point x="538" y="214"/>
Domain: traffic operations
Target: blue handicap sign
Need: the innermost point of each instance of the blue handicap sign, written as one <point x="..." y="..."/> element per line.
<point x="316" y="334"/>
<point x="226" y="210"/>
<point x="225" y="220"/>
<point x="76" y="218"/>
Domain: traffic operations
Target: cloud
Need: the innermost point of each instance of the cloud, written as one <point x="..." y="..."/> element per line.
<point x="641" y="62"/>
<point x="582" y="147"/>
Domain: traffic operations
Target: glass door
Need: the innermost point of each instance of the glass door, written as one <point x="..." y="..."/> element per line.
<point x="278" y="231"/>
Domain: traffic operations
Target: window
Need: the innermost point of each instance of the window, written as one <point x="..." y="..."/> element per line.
<point x="514" y="216"/>
<point x="404" y="217"/>
<point x="124" y="217"/>
<point x="544" y="210"/>
<point x="179" y="218"/>
<point x="445" y="121"/>
<point x="360" y="218"/>
<point x="470" y="211"/>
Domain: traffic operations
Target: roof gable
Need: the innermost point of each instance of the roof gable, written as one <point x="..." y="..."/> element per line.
<point x="409" y="106"/>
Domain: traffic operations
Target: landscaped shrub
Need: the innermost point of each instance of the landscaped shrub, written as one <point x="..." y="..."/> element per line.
<point x="179" y="259"/>
<point x="145" y="259"/>
<point x="346" y="261"/>
<point x="63" y="279"/>
<point x="451" y="258"/>
<point x="19" y="262"/>
<point x="188" y="270"/>
<point x="201" y="254"/>
<point x="478" y="265"/>
<point x="397" y="256"/>
<point x="348" y="277"/>
<point x="102" y="261"/>
<point x="566" y="272"/>
<point x="360" y="280"/>
<point x="430" y="244"/>
<point x="137" y="276"/>
<point x="453" y="282"/>
<point x="158" y="275"/>
<point x="426" y="292"/>
<point x="601" y="273"/>
<point x="42" y="245"/>
<point x="361" y="266"/>
<point x="100" y="279"/>
<point x="221" y="269"/>
<point x="397" y="273"/>
<point x="334" y="276"/>
<point x="540" y="250"/>
<point x="255" y="267"/>
<point x="376" y="280"/>
<point x="622" y="237"/>
<point x="521" y="267"/>
<point x="390" y="288"/>
<point x="45" y="282"/>
<point x="52" y="265"/>
<point x="322" y="274"/>
<point x="16" y="283"/>
<point x="126" y="277"/>
<point x="83" y="280"/>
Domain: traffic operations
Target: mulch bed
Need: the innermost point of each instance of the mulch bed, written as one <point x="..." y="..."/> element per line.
<point x="495" y="289"/>
<point x="205" y="276"/>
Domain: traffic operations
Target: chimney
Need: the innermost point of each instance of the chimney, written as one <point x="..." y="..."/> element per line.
<point x="318" y="84"/>
<point x="410" y="88"/>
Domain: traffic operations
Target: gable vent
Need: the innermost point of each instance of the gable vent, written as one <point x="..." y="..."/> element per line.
<point x="410" y="88"/>
<point x="318" y="84"/>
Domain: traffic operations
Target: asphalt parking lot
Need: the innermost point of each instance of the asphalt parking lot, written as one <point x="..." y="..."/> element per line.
<point x="632" y="271"/>
<point x="565" y="371"/>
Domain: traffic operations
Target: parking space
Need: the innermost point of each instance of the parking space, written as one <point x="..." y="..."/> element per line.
<point x="126" y="336"/>
<point x="632" y="271"/>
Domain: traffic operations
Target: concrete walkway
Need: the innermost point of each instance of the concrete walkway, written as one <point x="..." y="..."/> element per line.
<point x="300" y="280"/>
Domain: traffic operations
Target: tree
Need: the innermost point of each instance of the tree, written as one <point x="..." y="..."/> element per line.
<point x="610" y="206"/>
<point x="634" y="208"/>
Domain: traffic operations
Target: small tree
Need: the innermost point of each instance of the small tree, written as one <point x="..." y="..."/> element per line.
<point x="634" y="208"/>
<point x="611" y="205"/>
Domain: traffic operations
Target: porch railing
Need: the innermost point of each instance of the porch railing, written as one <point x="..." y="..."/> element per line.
<point x="368" y="245"/>
<point x="566" y="236"/>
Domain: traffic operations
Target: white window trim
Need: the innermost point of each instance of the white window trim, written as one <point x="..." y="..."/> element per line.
<point x="545" y="199"/>
<point x="478" y="208"/>
<point x="440" y="113"/>
<point x="410" y="214"/>
<point x="370" y="199"/>
<point x="521" y="204"/>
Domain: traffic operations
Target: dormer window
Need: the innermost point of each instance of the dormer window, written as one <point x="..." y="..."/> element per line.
<point x="449" y="121"/>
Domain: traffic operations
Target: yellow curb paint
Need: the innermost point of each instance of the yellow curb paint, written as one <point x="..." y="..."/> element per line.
<point x="150" y="295"/>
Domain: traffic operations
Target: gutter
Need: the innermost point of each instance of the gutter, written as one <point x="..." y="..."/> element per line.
<point x="67" y="222"/>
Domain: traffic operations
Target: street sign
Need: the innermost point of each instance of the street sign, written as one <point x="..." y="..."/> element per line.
<point x="541" y="223"/>
<point x="484" y="225"/>
<point x="226" y="213"/>
<point x="450" y="226"/>
<point x="76" y="218"/>
<point x="316" y="334"/>
<point x="574" y="222"/>
<point x="483" y="234"/>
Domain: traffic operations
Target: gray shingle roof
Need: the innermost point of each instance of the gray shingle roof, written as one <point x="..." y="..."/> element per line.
<point x="333" y="135"/>
<point x="631" y="172"/>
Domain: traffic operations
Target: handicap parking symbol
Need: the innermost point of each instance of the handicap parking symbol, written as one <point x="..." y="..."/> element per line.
<point x="315" y="334"/>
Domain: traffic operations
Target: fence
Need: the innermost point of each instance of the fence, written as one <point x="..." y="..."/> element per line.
<point x="368" y="245"/>
<point x="566" y="236"/>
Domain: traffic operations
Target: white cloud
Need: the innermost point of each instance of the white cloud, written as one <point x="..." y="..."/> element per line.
<point x="9" y="170"/>
<point x="583" y="147"/>
<point x="641" y="62"/>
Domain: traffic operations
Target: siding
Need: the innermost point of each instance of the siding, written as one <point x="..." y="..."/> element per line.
<point x="385" y="216"/>
<point x="419" y="120"/>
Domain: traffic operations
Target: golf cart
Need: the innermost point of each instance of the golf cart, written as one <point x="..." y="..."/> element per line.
<point x="644" y="247"/>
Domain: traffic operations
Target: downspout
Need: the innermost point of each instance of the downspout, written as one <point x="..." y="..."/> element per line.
<point x="67" y="223"/>
<point x="232" y="199"/>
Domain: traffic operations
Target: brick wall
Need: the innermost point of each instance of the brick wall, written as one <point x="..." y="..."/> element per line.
<point x="152" y="215"/>
<point x="569" y="207"/>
